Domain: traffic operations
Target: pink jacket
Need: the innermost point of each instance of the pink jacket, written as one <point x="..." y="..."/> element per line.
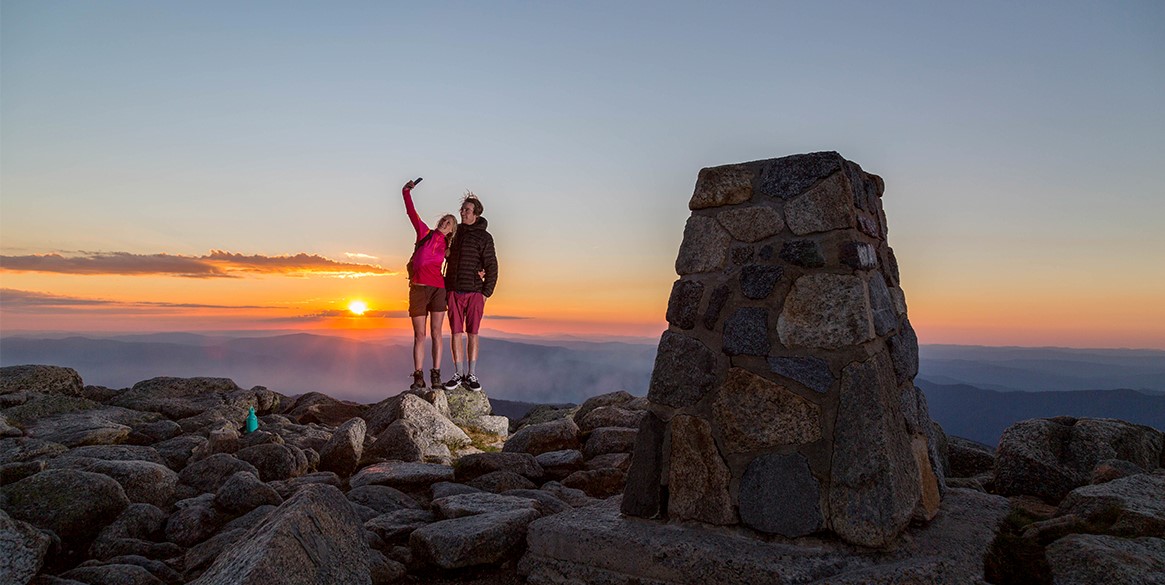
<point x="427" y="267"/>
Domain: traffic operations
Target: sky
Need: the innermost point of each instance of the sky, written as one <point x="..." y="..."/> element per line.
<point x="236" y="166"/>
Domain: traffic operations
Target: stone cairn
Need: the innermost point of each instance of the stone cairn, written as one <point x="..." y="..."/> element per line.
<point x="782" y="397"/>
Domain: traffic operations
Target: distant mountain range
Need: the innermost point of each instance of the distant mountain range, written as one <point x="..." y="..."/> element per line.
<point x="973" y="391"/>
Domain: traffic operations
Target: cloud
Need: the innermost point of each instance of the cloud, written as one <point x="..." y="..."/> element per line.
<point x="217" y="264"/>
<point x="17" y="300"/>
<point x="359" y="256"/>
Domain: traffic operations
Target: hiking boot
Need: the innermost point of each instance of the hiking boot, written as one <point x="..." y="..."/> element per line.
<point x="454" y="382"/>
<point x="435" y="377"/>
<point x="472" y="383"/>
<point x="418" y="380"/>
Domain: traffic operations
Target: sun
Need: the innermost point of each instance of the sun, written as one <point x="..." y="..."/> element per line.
<point x="357" y="307"/>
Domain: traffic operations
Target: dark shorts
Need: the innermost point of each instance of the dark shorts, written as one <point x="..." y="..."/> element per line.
<point x="425" y="299"/>
<point x="465" y="310"/>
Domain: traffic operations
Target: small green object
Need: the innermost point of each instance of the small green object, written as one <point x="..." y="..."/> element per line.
<point x="252" y="421"/>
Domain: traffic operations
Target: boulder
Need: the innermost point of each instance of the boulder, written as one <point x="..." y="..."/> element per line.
<point x="544" y="437"/>
<point x="117" y="574"/>
<point x="968" y="458"/>
<point x="613" y="460"/>
<point x="194" y="521"/>
<point x="143" y="481"/>
<point x="343" y="451"/>
<point x="118" y="453"/>
<point x="97" y="426"/>
<point x="315" y="407"/>
<point x="199" y="557"/>
<point x="602" y="400"/>
<point x="1111" y="469"/>
<point x="548" y="503"/>
<point x="288" y="487"/>
<point x="402" y="475"/>
<point x="604" y="440"/>
<point x="22" y="550"/>
<point x="73" y="504"/>
<point x="177" y="451"/>
<point x="597" y="483"/>
<point x="176" y="398"/>
<point x="559" y="464"/>
<point x="1089" y="559"/>
<point x="132" y="534"/>
<point x="405" y="440"/>
<point x="500" y="481"/>
<point x="477" y="464"/>
<point x="545" y="413"/>
<point x="208" y="475"/>
<point x="1129" y="506"/>
<point x="381" y="498"/>
<point x="1050" y="457"/>
<point x="275" y="462"/>
<point x="427" y="417"/>
<point x="467" y="406"/>
<point x="243" y="492"/>
<point x="609" y="416"/>
<point x="313" y="538"/>
<point x="395" y="527"/>
<point x="45" y="379"/>
<point x="481" y="503"/>
<point x="481" y="539"/>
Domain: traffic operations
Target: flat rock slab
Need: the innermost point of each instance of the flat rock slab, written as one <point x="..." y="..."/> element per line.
<point x="597" y="545"/>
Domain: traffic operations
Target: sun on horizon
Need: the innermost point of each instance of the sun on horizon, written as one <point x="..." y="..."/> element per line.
<point x="357" y="307"/>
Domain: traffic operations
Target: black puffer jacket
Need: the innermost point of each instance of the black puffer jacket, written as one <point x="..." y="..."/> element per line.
<point x="472" y="250"/>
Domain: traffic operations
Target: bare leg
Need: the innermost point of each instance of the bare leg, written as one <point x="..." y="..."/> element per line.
<point x="438" y="317"/>
<point x="419" y="341"/>
<point x="472" y="347"/>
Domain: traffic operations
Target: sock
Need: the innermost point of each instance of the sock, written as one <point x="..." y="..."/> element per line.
<point x="472" y="364"/>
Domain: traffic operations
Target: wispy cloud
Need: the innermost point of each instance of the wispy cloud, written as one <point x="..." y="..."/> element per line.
<point x="16" y="300"/>
<point x="359" y="256"/>
<point x="217" y="264"/>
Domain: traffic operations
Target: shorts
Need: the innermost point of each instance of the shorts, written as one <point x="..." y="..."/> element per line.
<point x="465" y="310"/>
<point x="425" y="299"/>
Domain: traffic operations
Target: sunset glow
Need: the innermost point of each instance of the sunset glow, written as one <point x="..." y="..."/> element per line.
<point x="357" y="307"/>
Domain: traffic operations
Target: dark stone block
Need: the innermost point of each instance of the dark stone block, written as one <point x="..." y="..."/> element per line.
<point x="685" y="370"/>
<point x="904" y="353"/>
<point x="757" y="281"/>
<point x="643" y="495"/>
<point x="806" y="253"/>
<point x="811" y="372"/>
<point x="742" y="255"/>
<point x="865" y="188"/>
<point x="790" y="176"/>
<point x="766" y="252"/>
<point x="715" y="305"/>
<point x="882" y="306"/>
<point x="684" y="303"/>
<point x="746" y="332"/>
<point x="779" y="495"/>
<point x="869" y="226"/>
<point x="890" y="266"/>
<point x="859" y="255"/>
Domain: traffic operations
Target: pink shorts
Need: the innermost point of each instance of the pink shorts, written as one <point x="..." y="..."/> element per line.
<point x="465" y="310"/>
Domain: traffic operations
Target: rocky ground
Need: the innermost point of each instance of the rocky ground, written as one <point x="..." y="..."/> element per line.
<point x="157" y="484"/>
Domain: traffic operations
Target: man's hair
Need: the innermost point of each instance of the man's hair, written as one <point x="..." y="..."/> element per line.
<point x="471" y="198"/>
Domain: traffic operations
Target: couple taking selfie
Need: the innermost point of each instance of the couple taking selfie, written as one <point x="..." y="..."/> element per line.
<point x="465" y="251"/>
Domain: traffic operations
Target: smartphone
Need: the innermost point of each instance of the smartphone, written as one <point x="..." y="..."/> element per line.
<point x="418" y="181"/>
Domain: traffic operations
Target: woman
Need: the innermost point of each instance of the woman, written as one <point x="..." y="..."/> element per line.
<point x="427" y="287"/>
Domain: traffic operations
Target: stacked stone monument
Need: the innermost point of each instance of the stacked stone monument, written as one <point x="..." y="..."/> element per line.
<point x="783" y="395"/>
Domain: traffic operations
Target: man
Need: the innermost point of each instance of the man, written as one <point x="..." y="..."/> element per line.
<point x="471" y="272"/>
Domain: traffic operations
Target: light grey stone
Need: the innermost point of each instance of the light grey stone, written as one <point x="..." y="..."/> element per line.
<point x="751" y="224"/>
<point x="723" y="185"/>
<point x="143" y="481"/>
<point x="704" y="248"/>
<point x="610" y="416"/>
<point x="885" y="317"/>
<point x="874" y="479"/>
<point x="45" y="379"/>
<point x="1129" y="506"/>
<point x="827" y="206"/>
<point x="177" y="398"/>
<point x="753" y="414"/>
<point x="827" y="311"/>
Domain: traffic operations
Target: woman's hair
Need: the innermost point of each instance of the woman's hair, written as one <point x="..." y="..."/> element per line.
<point x="448" y="238"/>
<point x="470" y="197"/>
